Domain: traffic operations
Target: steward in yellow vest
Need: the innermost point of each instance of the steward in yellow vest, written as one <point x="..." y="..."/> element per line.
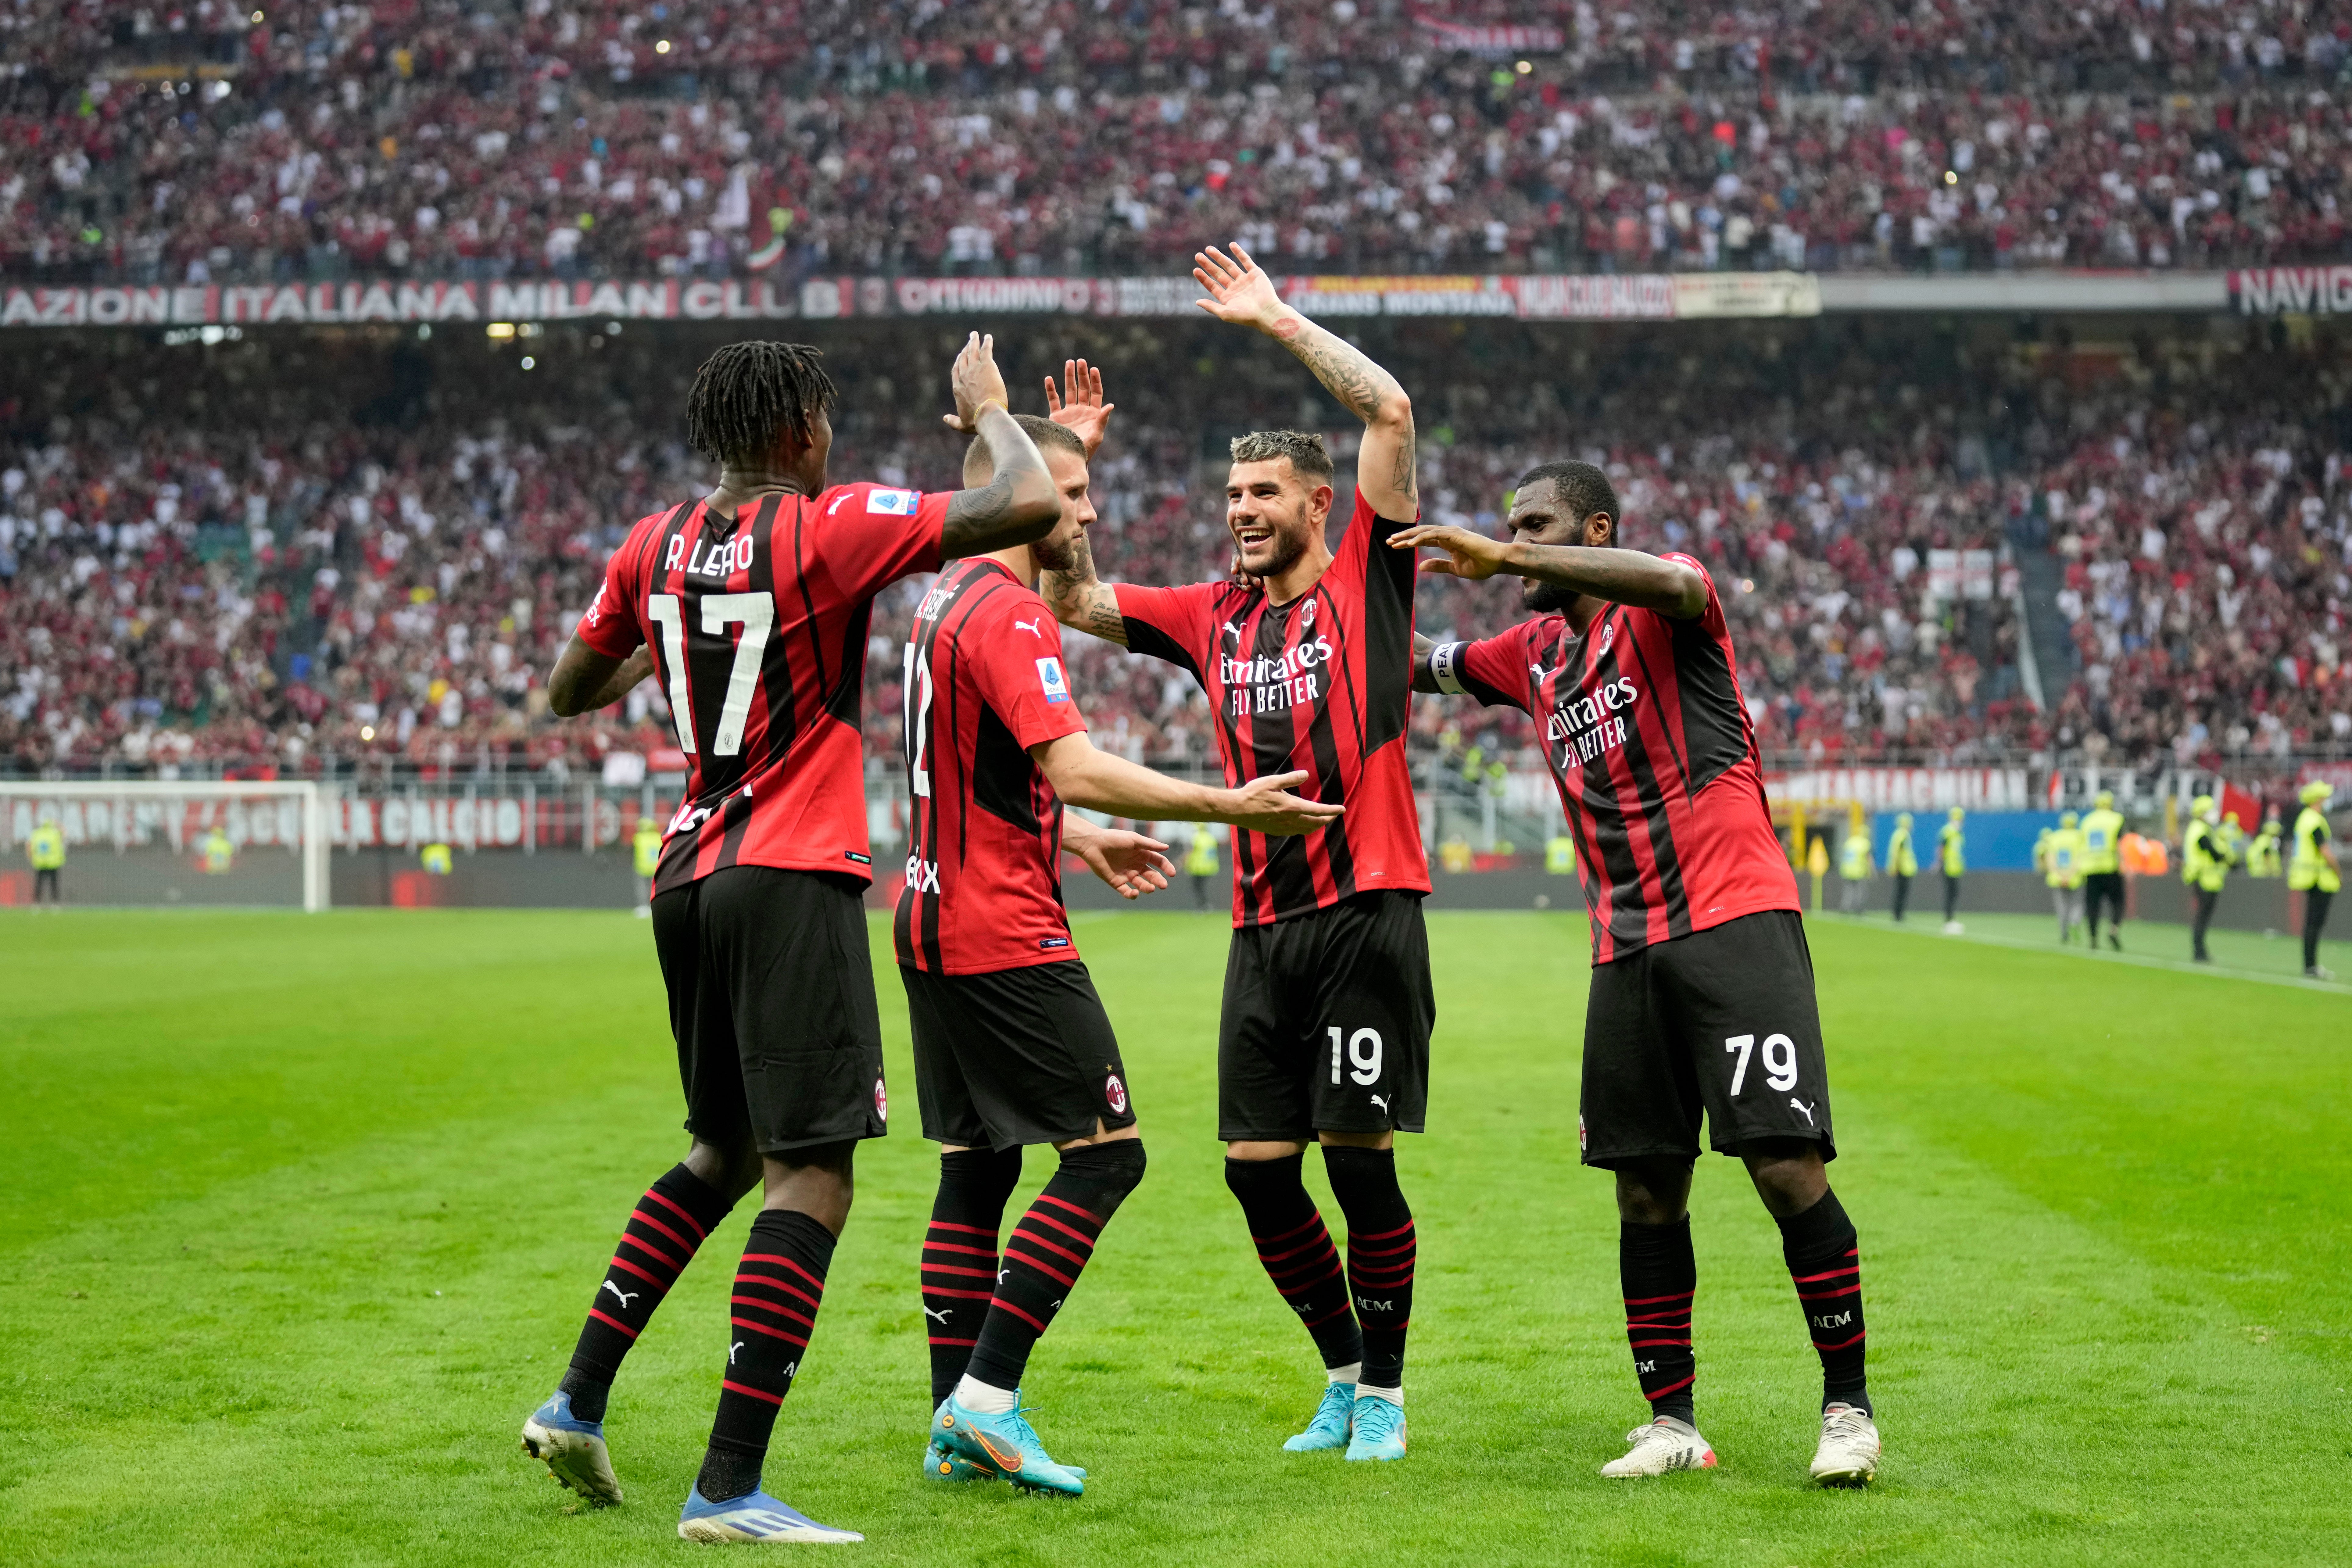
<point x="2060" y="857"/>
<point x="1902" y="861"/>
<point x="2205" y="862"/>
<point x="2313" y="871"/>
<point x="2103" y="866"/>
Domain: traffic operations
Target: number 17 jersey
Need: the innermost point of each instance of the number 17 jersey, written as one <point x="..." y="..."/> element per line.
<point x="758" y="624"/>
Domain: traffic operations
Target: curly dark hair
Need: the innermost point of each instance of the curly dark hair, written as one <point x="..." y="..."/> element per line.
<point x="1583" y="489"/>
<point x="748" y="395"/>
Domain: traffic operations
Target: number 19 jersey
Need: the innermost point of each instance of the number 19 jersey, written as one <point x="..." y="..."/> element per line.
<point x="758" y="626"/>
<point x="1321" y="685"/>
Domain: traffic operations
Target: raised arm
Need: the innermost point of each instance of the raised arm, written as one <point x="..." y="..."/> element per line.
<point x="1084" y="777"/>
<point x="1018" y="505"/>
<point x="1082" y="601"/>
<point x="1241" y="293"/>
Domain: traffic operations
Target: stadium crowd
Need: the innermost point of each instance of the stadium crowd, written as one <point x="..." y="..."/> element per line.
<point x="274" y="549"/>
<point x="190" y="142"/>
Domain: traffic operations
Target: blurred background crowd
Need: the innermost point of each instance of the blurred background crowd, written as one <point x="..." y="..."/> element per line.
<point x="193" y="141"/>
<point x="366" y="544"/>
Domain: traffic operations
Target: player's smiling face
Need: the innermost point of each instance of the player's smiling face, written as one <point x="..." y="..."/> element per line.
<point x="1057" y="551"/>
<point x="1276" y="515"/>
<point x="1540" y="516"/>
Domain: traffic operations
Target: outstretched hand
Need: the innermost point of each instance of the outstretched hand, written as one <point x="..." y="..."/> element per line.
<point x="1081" y="410"/>
<point x="975" y="380"/>
<point x="1128" y="863"/>
<point x="1467" y="554"/>
<point x="1239" y="290"/>
<point x="1267" y="805"/>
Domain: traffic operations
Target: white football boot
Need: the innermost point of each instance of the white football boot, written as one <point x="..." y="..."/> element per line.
<point x="1848" y="1456"/>
<point x="1665" y="1445"/>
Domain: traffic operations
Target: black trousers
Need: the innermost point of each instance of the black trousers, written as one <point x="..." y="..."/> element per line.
<point x="1951" y="897"/>
<point x="2315" y="919"/>
<point x="44" y="881"/>
<point x="1902" y="893"/>
<point x="2207" y="898"/>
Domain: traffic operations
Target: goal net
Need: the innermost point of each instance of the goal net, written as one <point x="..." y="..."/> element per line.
<point x="157" y="844"/>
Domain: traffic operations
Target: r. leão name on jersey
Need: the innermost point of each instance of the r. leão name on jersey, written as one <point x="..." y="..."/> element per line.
<point x="757" y="624"/>
<point x="1649" y="741"/>
<point x="1321" y="684"/>
<point x="982" y="682"/>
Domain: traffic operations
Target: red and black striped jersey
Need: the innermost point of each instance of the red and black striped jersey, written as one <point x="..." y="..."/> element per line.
<point x="1649" y="741"/>
<point x="758" y="627"/>
<point x="1321" y="684"/>
<point x="984" y="682"/>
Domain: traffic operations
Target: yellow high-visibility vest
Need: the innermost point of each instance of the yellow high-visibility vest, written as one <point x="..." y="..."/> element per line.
<point x="2308" y="868"/>
<point x="47" y="848"/>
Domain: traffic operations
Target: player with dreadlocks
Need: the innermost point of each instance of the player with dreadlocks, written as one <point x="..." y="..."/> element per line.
<point x="749" y="608"/>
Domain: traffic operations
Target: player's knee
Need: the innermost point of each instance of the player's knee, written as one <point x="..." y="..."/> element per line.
<point x="1109" y="1170"/>
<point x="1250" y="1180"/>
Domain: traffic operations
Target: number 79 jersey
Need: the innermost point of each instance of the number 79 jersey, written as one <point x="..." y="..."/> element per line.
<point x="758" y="624"/>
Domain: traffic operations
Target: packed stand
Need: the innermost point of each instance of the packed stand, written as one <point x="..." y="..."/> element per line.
<point x="2205" y="520"/>
<point x="275" y="551"/>
<point x="187" y="144"/>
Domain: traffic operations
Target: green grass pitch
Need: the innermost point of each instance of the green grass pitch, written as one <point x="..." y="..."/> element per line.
<point x="301" y="1217"/>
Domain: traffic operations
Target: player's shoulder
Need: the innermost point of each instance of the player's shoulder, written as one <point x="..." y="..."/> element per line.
<point x="1694" y="562"/>
<point x="866" y="497"/>
<point x="654" y="522"/>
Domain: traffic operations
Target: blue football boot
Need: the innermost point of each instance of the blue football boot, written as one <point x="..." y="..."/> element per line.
<point x="573" y="1450"/>
<point x="1006" y="1443"/>
<point x="1333" y="1422"/>
<point x="755" y="1517"/>
<point x="1379" y="1430"/>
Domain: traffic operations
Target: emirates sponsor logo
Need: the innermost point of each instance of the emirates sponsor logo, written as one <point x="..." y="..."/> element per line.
<point x="1584" y="726"/>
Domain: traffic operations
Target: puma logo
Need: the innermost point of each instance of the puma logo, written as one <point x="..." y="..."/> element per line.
<point x="1029" y="627"/>
<point x="1796" y="1104"/>
<point x="1382" y="1103"/>
<point x="941" y="1313"/>
<point x="626" y="1296"/>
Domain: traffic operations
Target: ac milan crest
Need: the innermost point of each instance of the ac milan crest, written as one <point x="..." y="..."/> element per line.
<point x="881" y="1101"/>
<point x="1116" y="1093"/>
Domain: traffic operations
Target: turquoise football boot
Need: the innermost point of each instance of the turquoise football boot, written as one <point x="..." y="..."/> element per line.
<point x="946" y="1465"/>
<point x="1379" y="1430"/>
<point x="1333" y="1422"/>
<point x="1006" y="1443"/>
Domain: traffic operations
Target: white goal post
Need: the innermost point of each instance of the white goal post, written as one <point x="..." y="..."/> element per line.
<point x="172" y="816"/>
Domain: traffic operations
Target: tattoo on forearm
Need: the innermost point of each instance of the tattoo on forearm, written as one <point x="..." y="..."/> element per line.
<point x="1352" y="377"/>
<point x="972" y="514"/>
<point x="1400" y="478"/>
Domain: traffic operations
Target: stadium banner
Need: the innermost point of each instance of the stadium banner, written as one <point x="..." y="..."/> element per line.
<point x="1533" y="297"/>
<point x="2291" y="291"/>
<point x="1908" y="789"/>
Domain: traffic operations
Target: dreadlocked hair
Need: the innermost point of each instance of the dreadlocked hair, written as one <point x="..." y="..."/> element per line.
<point x="747" y="395"/>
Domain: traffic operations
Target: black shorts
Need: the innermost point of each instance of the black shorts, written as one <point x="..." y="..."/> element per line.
<point x="1326" y="1023"/>
<point x="772" y="999"/>
<point x="1014" y="1057"/>
<point x="1723" y="1021"/>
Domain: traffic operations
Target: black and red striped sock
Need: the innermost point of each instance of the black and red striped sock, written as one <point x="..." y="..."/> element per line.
<point x="1296" y="1251"/>
<point x="663" y="1230"/>
<point x="959" y="1271"/>
<point x="1381" y="1248"/>
<point x="778" y="1288"/>
<point x="1659" y="1278"/>
<point x="1825" y="1263"/>
<point x="1047" y="1248"/>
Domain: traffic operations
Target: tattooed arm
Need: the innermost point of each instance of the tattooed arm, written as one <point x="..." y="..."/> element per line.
<point x="1241" y="293"/>
<point x="1082" y="601"/>
<point x="1019" y="504"/>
